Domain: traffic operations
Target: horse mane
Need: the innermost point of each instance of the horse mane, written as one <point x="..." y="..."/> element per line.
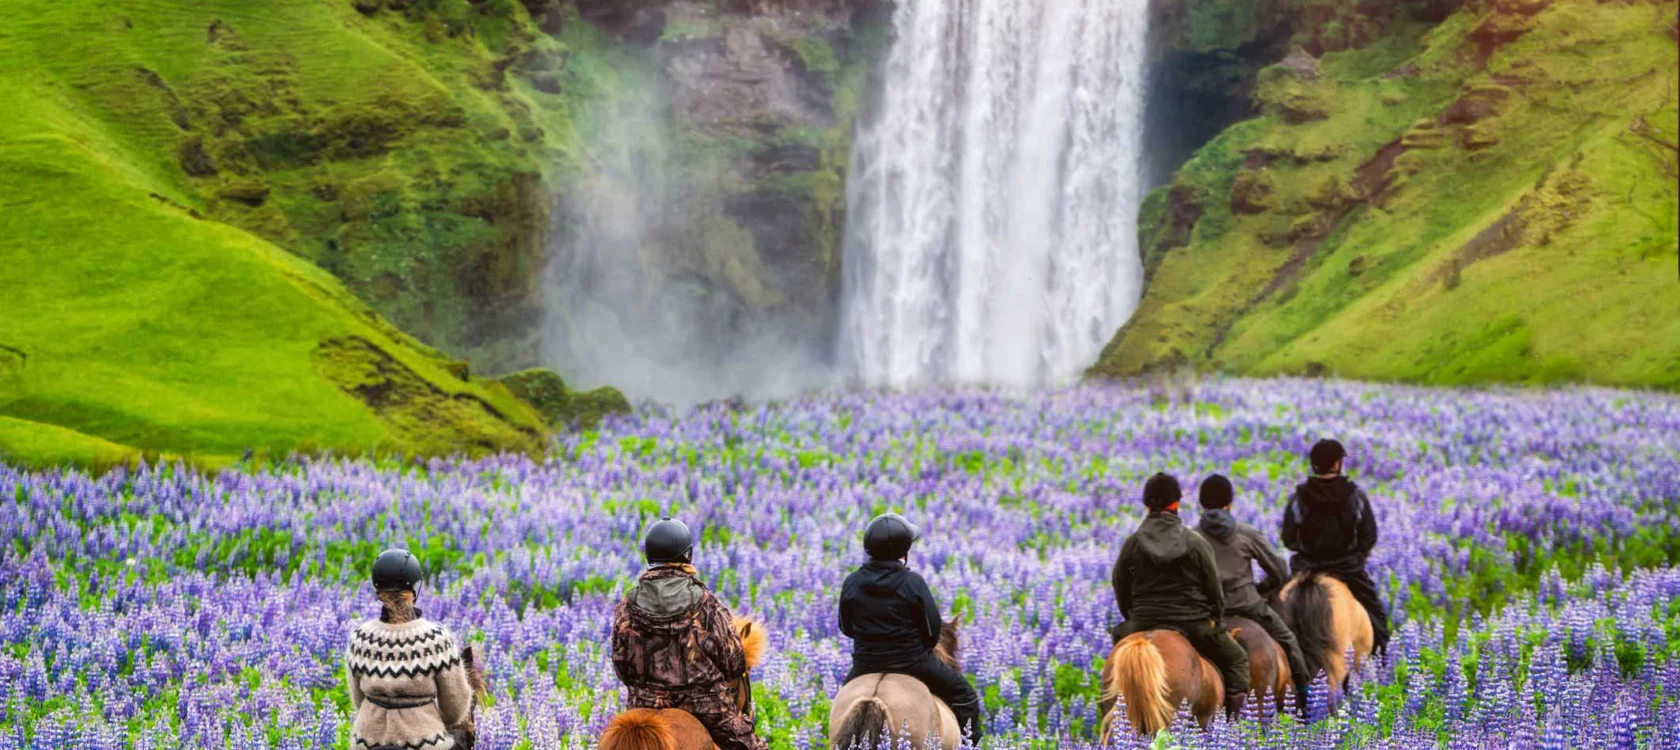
<point x="1308" y="614"/>
<point x="863" y="726"/>
<point x="1138" y="672"/>
<point x="638" y="729"/>
<point x="475" y="674"/>
<point x="754" y="641"/>
<point x="949" y="649"/>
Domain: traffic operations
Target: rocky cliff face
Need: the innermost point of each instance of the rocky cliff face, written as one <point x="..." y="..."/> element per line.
<point x="1489" y="197"/>
<point x="701" y="234"/>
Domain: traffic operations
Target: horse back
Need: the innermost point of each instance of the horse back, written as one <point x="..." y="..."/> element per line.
<point x="908" y="705"/>
<point x="1190" y="678"/>
<point x="656" y="729"/>
<point x="1267" y="665"/>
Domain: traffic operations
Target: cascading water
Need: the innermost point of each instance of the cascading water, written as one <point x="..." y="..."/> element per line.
<point x="993" y="197"/>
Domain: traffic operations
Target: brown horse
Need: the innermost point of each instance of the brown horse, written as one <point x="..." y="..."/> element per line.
<point x="676" y="729"/>
<point x="874" y="706"/>
<point x="1155" y="671"/>
<point x="1268" y="666"/>
<point x="1328" y="622"/>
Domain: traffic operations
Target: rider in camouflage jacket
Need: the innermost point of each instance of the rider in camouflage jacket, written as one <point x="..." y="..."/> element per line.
<point x="674" y="645"/>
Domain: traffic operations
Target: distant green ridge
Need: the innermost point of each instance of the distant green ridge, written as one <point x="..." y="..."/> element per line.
<point x="1493" y="199"/>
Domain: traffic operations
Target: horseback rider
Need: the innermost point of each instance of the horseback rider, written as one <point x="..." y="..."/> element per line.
<point x="408" y="685"/>
<point x="1330" y="526"/>
<point x="1166" y="578"/>
<point x="674" y="645"/>
<point x="891" y="616"/>
<point x="1236" y="547"/>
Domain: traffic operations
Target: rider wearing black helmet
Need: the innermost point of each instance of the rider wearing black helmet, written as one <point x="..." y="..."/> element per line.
<point x="1166" y="577"/>
<point x="674" y="645"/>
<point x="407" y="680"/>
<point x="893" y="620"/>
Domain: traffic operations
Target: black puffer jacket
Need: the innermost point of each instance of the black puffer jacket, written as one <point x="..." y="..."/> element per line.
<point x="1236" y="546"/>
<point x="890" y="615"/>
<point x="1166" y="573"/>
<point x="1329" y="525"/>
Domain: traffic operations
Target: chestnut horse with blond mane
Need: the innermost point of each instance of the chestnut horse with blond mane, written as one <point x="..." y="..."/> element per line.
<point x="896" y="706"/>
<point x="674" y="728"/>
<point x="1157" y="670"/>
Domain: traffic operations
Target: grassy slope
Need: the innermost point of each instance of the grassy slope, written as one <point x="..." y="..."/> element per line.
<point x="1584" y="287"/>
<point x="138" y="326"/>
<point x="403" y="151"/>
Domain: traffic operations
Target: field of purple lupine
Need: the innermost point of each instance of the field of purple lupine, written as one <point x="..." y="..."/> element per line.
<point x="1529" y="549"/>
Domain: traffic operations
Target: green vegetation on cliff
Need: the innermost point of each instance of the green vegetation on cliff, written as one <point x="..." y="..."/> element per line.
<point x="1494" y="198"/>
<point x="152" y="156"/>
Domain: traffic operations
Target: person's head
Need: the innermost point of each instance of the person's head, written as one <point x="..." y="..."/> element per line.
<point x="889" y="536"/>
<point x="668" y="541"/>
<point x="1216" y="492"/>
<point x="395" y="574"/>
<point x="1162" y="493"/>
<point x="1326" y="457"/>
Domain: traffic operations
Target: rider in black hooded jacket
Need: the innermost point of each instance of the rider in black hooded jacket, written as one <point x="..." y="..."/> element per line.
<point x="1329" y="525"/>
<point x="893" y="620"/>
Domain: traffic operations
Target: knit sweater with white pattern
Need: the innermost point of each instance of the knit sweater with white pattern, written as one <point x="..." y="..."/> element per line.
<point x="408" y="685"/>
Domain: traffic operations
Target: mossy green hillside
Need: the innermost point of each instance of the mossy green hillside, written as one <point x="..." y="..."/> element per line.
<point x="132" y="323"/>
<point x="1465" y="204"/>
<point x="405" y="147"/>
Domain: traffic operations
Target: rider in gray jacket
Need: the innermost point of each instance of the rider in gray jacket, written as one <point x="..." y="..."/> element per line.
<point x="1235" y="547"/>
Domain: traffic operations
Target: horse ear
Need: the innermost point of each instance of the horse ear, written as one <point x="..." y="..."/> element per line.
<point x="467" y="655"/>
<point x="746" y="629"/>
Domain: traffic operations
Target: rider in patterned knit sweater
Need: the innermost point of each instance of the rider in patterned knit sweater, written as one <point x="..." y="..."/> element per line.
<point x="407" y="681"/>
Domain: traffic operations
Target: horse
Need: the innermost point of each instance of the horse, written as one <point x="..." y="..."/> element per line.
<point x="1155" y="671"/>
<point x="1268" y="666"/>
<point x="674" y="728"/>
<point x="1328" y="622"/>
<point x="874" y="706"/>
<point x="1158" y="669"/>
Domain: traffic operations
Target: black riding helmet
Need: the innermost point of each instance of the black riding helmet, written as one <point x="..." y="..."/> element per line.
<point x="667" y="541"/>
<point x="396" y="570"/>
<point x="889" y="537"/>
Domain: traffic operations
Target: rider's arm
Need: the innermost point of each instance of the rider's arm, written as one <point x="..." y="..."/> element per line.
<point x="927" y="608"/>
<point x="1122" y="579"/>
<point x="454" y="694"/>
<point x="1271" y="563"/>
<point x="623" y="653"/>
<point x="1211" y="586"/>
<point x="1290" y="540"/>
<point x="355" y="684"/>
<point x="723" y="642"/>
<point x="1367" y="524"/>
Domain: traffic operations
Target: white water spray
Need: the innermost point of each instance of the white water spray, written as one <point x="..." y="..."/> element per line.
<point x="993" y="199"/>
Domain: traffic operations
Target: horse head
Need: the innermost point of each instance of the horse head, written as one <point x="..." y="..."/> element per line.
<point x="949" y="649"/>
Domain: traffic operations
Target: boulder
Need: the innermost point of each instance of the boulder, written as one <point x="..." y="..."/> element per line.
<point x="1477" y="103"/>
<point x="1252" y="192"/>
<point x="248" y="192"/>
<point x="1301" y="63"/>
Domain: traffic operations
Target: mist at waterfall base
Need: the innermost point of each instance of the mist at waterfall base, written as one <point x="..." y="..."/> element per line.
<point x="991" y="222"/>
<point x="625" y="303"/>
<point x="993" y="198"/>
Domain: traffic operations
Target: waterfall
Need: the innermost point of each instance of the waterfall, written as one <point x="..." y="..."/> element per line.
<point x="993" y="196"/>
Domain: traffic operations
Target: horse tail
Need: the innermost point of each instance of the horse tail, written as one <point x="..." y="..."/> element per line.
<point x="638" y="729"/>
<point x="864" y="725"/>
<point x="1141" y="676"/>
<point x="1309" y="615"/>
<point x="754" y="641"/>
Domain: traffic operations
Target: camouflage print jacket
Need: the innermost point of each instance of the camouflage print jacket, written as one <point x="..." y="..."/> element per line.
<point x="674" y="644"/>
